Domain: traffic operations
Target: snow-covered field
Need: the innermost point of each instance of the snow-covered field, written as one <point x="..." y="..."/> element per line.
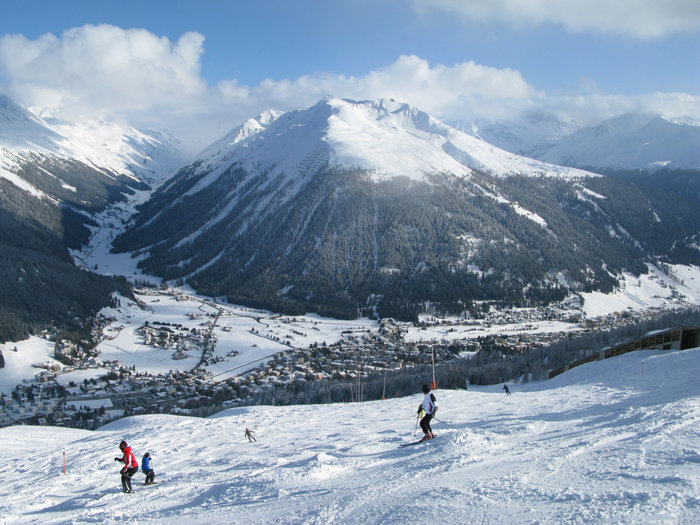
<point x="680" y="287"/>
<point x="615" y="441"/>
<point x="246" y="337"/>
<point x="655" y="289"/>
<point x="19" y="364"/>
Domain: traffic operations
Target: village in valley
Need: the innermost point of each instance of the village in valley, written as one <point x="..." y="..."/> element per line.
<point x="175" y="352"/>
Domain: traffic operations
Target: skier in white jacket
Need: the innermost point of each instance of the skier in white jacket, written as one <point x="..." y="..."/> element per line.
<point x="428" y="407"/>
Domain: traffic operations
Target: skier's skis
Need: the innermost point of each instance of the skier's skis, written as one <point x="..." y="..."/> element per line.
<point x="154" y="483"/>
<point x="416" y="442"/>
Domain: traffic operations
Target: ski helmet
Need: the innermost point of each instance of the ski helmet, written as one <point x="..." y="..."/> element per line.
<point x="426" y="389"/>
<point x="123" y="445"/>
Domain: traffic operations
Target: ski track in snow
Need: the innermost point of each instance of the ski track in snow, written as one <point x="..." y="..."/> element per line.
<point x="600" y="444"/>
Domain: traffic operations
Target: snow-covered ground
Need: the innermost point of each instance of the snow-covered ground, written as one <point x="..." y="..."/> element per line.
<point x="655" y="289"/>
<point x="476" y="329"/>
<point x="679" y="287"/>
<point x="20" y="358"/>
<point x="615" y="441"/>
<point x="244" y="337"/>
<point x="247" y="337"/>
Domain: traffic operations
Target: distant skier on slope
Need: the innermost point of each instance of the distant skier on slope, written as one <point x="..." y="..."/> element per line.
<point x="428" y="407"/>
<point x="146" y="469"/>
<point x="507" y="390"/>
<point x="249" y="434"/>
<point x="130" y="467"/>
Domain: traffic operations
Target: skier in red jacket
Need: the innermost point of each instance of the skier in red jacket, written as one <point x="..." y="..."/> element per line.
<point x="130" y="467"/>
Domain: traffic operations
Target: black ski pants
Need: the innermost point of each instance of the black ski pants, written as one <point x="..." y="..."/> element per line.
<point x="150" y="475"/>
<point x="425" y="424"/>
<point x="126" y="477"/>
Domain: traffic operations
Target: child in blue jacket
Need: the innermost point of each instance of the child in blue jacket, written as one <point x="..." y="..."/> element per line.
<point x="146" y="468"/>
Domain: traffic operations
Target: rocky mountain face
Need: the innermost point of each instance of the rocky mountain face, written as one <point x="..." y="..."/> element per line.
<point x="54" y="178"/>
<point x="351" y="208"/>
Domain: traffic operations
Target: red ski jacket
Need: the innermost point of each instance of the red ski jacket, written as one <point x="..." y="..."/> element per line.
<point x="129" y="459"/>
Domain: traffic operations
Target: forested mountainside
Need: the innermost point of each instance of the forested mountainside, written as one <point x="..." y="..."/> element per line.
<point x="55" y="178"/>
<point x="350" y="245"/>
<point x="41" y="284"/>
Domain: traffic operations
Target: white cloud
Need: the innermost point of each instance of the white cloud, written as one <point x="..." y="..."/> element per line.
<point x="92" y="68"/>
<point x="590" y="109"/>
<point x="637" y="18"/>
<point x="150" y="81"/>
<point x="441" y="90"/>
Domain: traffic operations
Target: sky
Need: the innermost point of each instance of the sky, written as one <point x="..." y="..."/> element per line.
<point x="199" y="68"/>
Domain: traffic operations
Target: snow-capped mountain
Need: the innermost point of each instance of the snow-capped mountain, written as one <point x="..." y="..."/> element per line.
<point x="630" y="141"/>
<point x="349" y="204"/>
<point x="384" y="137"/>
<point x="21" y="130"/>
<point x="55" y="177"/>
<point x="524" y="135"/>
<point x="109" y="147"/>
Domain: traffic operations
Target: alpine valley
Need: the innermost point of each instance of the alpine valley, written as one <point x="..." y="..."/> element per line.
<point x="376" y="208"/>
<point x="55" y="178"/>
<point x="346" y="209"/>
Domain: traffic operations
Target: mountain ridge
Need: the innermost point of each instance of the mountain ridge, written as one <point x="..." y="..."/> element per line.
<point x="411" y="140"/>
<point x="358" y="194"/>
<point x="630" y="141"/>
<point x="643" y="141"/>
<point x="343" y="234"/>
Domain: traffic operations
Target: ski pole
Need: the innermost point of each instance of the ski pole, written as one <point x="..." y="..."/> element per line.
<point x="108" y="473"/>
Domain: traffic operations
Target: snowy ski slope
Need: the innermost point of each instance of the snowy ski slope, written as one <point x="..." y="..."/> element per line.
<point x="604" y="443"/>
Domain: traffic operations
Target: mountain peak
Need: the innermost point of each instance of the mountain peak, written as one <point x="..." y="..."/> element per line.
<point x="314" y="210"/>
<point x="384" y="137"/>
<point x="20" y="129"/>
<point x="108" y="146"/>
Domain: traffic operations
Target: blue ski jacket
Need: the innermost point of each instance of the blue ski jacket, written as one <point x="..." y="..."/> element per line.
<point x="145" y="464"/>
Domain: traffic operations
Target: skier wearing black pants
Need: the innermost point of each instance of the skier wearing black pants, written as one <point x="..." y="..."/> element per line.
<point x="428" y="407"/>
<point x="130" y="467"/>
